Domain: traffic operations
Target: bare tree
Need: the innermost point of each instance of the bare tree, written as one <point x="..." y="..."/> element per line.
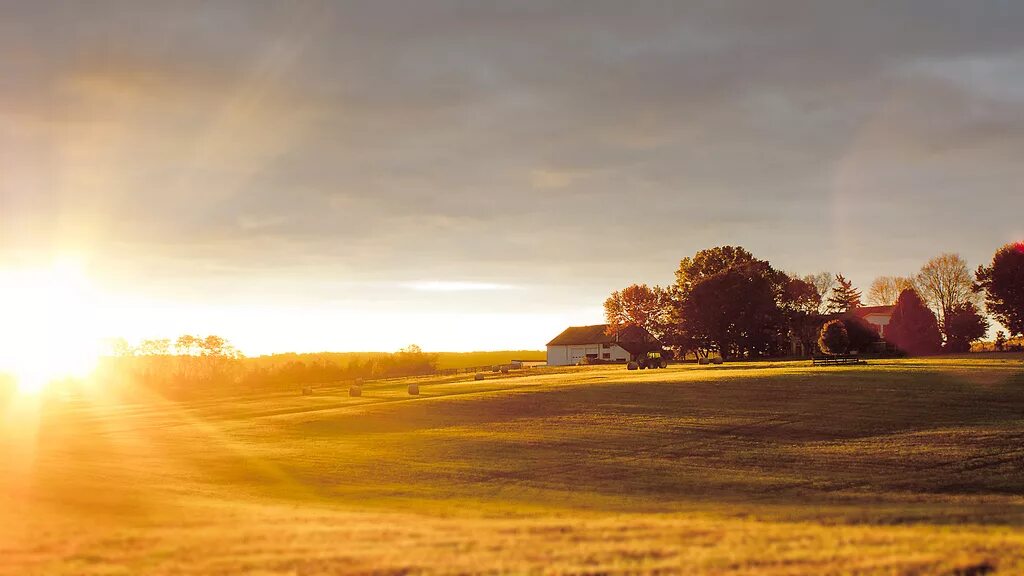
<point x="945" y="283"/>
<point x="823" y="282"/>
<point x="885" y="290"/>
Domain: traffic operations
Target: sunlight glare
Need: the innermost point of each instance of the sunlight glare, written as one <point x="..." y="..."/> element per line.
<point x="50" y="327"/>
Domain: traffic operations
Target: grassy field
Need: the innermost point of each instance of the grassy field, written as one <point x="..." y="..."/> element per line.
<point x="899" y="467"/>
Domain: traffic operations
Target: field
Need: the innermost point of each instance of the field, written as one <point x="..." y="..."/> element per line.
<point x="898" y="467"/>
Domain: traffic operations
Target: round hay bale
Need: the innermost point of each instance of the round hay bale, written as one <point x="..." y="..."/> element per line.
<point x="494" y="368"/>
<point x="716" y="360"/>
<point x="632" y="366"/>
<point x="702" y="361"/>
<point x="355" y="391"/>
<point x="479" y="376"/>
<point x="359" y="382"/>
<point x="504" y="369"/>
<point x="307" y="390"/>
<point x="414" y="389"/>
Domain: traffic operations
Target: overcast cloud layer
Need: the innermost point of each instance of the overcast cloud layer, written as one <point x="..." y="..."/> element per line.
<point x="484" y="158"/>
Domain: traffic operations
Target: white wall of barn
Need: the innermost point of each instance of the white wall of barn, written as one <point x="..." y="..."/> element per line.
<point x="569" y="355"/>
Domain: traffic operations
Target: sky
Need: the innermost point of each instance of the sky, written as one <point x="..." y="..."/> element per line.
<point x="478" y="175"/>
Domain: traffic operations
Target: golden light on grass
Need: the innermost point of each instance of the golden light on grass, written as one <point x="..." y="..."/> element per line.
<point x="50" y="324"/>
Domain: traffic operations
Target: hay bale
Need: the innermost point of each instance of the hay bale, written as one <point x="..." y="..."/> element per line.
<point x="414" y="389"/>
<point x="504" y="369"/>
<point x="702" y="361"/>
<point x="716" y="360"/>
<point x="307" y="390"/>
<point x="494" y="369"/>
<point x="632" y="366"/>
<point x="359" y="382"/>
<point x="479" y="376"/>
<point x="355" y="391"/>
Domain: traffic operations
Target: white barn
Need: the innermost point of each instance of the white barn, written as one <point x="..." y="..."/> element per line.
<point x="575" y="342"/>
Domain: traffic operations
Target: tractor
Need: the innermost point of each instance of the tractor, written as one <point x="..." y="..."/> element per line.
<point x="652" y="359"/>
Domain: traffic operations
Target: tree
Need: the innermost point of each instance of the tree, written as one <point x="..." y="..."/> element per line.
<point x="945" y="283"/>
<point x="186" y="345"/>
<point x="706" y="263"/>
<point x="862" y="334"/>
<point x="1000" y="341"/>
<point x="734" y="311"/>
<point x="213" y="345"/>
<point x="1003" y="284"/>
<point x="964" y="325"/>
<point x="913" y="328"/>
<point x="834" y="338"/>
<point x="844" y="296"/>
<point x="637" y="305"/>
<point x="823" y="282"/>
<point x="160" y="347"/>
<point x="885" y="290"/>
<point x="800" y="302"/>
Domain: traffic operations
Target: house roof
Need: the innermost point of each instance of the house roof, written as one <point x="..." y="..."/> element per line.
<point x="596" y="334"/>
<point x="866" y="310"/>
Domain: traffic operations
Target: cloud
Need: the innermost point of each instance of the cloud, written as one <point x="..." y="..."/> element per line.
<point x="578" y="145"/>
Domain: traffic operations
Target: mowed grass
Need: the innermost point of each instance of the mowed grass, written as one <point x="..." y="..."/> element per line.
<point x="899" y="467"/>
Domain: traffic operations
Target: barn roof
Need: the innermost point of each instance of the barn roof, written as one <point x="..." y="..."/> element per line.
<point x="576" y="335"/>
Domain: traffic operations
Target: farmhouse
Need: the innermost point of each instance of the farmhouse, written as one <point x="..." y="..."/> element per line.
<point x="877" y="316"/>
<point x="575" y="342"/>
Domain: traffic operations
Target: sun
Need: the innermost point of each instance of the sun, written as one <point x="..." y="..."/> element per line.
<point x="49" y="325"/>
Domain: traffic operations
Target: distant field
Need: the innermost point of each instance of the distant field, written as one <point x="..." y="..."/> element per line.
<point x="899" y="467"/>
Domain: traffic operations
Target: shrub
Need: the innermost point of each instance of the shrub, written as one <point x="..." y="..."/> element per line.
<point x="834" y="338"/>
<point x="862" y="335"/>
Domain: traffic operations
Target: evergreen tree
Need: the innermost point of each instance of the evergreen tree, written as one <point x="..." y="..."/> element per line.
<point x="844" y="296"/>
<point x="913" y="328"/>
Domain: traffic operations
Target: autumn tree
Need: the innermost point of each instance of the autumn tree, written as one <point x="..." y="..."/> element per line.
<point x="913" y="328"/>
<point x="885" y="290"/>
<point x="800" y="304"/>
<point x="707" y="263"/>
<point x="1002" y="282"/>
<point x="945" y="283"/>
<point x="637" y="305"/>
<point x="963" y="325"/>
<point x="844" y="296"/>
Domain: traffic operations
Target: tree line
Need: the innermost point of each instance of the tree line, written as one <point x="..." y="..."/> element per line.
<point x="726" y="301"/>
<point x="193" y="364"/>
